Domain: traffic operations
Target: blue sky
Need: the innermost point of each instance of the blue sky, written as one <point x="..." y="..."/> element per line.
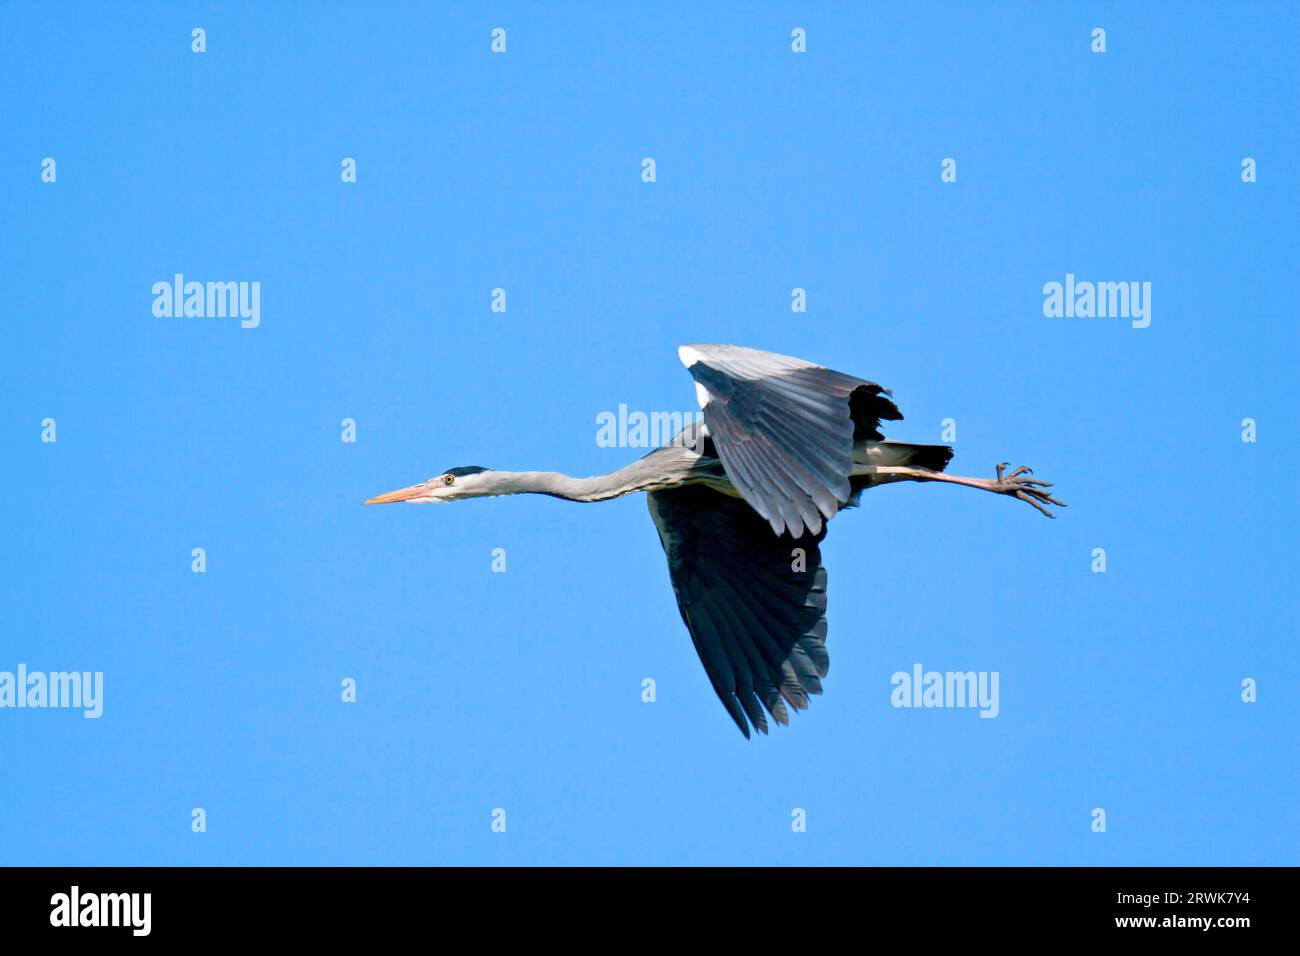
<point x="522" y="171"/>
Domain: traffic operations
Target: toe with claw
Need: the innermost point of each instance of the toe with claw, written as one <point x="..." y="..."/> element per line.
<point x="1021" y="484"/>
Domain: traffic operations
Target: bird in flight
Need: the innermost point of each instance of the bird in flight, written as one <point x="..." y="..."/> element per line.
<point x="741" y="501"/>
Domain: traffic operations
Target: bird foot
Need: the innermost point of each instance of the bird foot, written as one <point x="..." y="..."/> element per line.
<point x="1022" y="485"/>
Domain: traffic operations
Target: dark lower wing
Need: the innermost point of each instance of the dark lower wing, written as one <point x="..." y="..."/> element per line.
<point x="754" y="602"/>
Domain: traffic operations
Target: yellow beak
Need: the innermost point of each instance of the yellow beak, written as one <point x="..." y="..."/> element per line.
<point x="401" y="494"/>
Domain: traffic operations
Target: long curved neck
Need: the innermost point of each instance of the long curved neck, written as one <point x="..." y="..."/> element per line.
<point x="616" y="484"/>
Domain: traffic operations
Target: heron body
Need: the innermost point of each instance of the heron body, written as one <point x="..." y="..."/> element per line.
<point x="741" y="502"/>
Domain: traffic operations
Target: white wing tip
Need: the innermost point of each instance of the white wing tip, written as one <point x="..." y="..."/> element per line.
<point x="688" y="355"/>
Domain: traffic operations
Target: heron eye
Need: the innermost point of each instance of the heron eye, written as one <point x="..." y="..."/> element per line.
<point x="448" y="479"/>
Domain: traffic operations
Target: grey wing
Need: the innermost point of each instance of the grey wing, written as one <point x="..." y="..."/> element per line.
<point x="755" y="604"/>
<point x="784" y="429"/>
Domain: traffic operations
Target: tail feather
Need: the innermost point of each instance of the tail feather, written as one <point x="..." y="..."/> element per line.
<point x="894" y="453"/>
<point x="934" y="457"/>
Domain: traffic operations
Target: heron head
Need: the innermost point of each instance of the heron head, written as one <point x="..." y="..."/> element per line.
<point x="467" y="481"/>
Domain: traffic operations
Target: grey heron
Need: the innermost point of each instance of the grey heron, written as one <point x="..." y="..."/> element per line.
<point x="741" y="502"/>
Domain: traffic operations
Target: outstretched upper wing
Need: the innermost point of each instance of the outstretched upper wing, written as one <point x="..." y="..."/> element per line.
<point x="784" y="429"/>
<point x="755" y="604"/>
